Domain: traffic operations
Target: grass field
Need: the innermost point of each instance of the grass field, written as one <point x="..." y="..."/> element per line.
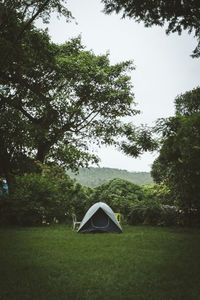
<point x="57" y="263"/>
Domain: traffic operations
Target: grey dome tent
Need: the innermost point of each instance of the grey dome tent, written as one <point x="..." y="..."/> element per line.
<point x="98" y="219"/>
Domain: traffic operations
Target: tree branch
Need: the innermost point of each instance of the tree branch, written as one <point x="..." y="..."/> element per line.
<point x="33" y="18"/>
<point x="87" y="123"/>
<point x="19" y="108"/>
<point x="24" y="83"/>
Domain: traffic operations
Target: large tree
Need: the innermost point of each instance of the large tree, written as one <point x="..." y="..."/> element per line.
<point x="179" y="160"/>
<point x="55" y="100"/>
<point x="58" y="100"/>
<point x="179" y="15"/>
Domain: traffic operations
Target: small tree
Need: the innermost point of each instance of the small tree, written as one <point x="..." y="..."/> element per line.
<point x="179" y="159"/>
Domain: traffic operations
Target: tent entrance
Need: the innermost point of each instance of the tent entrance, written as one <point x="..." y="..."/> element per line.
<point x="100" y="219"/>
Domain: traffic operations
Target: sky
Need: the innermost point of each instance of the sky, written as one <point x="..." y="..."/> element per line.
<point x="164" y="68"/>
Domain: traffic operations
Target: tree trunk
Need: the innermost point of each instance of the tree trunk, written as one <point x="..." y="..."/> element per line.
<point x="42" y="151"/>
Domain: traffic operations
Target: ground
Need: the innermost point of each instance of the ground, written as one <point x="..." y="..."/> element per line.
<point x="142" y="263"/>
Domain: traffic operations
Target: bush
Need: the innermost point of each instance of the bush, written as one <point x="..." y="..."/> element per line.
<point x="119" y="194"/>
<point x="44" y="198"/>
<point x="152" y="213"/>
<point x="4" y="209"/>
<point x="169" y="215"/>
<point x="159" y="193"/>
<point x="36" y="200"/>
<point x="138" y="204"/>
<point x="189" y="217"/>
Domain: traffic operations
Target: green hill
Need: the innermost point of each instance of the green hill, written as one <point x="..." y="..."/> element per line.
<point x="93" y="177"/>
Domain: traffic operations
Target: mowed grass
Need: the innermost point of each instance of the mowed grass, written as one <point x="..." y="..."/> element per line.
<point x="57" y="263"/>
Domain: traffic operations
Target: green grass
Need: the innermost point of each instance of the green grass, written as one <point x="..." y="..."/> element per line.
<point x="57" y="263"/>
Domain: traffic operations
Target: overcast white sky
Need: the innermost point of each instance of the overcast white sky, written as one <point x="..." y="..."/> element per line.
<point x="164" y="68"/>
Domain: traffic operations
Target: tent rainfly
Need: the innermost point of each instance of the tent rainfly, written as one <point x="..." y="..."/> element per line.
<point x="98" y="219"/>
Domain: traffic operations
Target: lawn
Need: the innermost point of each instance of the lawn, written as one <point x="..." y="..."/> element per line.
<point x="57" y="263"/>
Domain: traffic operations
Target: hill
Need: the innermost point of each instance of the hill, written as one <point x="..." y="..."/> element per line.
<point x="93" y="177"/>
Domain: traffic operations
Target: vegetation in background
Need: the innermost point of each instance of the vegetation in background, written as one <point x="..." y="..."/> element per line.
<point x="93" y="177"/>
<point x="147" y="204"/>
<point x="43" y="198"/>
<point x="160" y="193"/>
<point x="151" y="212"/>
<point x="52" y="197"/>
<point x="119" y="194"/>
<point x="173" y="200"/>
<point x="179" y="159"/>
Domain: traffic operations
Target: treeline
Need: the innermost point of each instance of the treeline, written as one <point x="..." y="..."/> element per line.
<point x="51" y="196"/>
<point x="93" y="177"/>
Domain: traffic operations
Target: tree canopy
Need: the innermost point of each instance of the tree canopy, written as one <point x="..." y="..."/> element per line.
<point x="179" y="15"/>
<point x="17" y="34"/>
<point x="57" y="99"/>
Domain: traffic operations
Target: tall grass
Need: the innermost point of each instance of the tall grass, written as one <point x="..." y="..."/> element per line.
<point x="57" y="263"/>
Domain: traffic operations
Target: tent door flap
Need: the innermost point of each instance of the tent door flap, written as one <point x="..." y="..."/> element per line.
<point x="100" y="220"/>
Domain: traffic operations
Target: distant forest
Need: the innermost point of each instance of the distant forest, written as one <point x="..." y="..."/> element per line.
<point x="93" y="177"/>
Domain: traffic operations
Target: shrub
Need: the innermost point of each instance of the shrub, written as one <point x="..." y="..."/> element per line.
<point x="119" y="194"/>
<point x="4" y="209"/>
<point x="159" y="193"/>
<point x="152" y="213"/>
<point x="48" y="197"/>
<point x="169" y="215"/>
<point x="189" y="217"/>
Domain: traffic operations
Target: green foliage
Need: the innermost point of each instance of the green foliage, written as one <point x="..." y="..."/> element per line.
<point x="138" y="140"/>
<point x="151" y="212"/>
<point x="26" y="57"/>
<point x="188" y="104"/>
<point x="144" y="213"/>
<point x="93" y="177"/>
<point x="62" y="98"/>
<point x="33" y="200"/>
<point x="179" y="159"/>
<point x="51" y="196"/>
<point x="179" y="15"/>
<point x="118" y="194"/>
<point x="148" y="204"/>
<point x="159" y="193"/>
<point x="43" y="198"/>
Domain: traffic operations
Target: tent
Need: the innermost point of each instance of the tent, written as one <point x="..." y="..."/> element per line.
<point x="98" y="219"/>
